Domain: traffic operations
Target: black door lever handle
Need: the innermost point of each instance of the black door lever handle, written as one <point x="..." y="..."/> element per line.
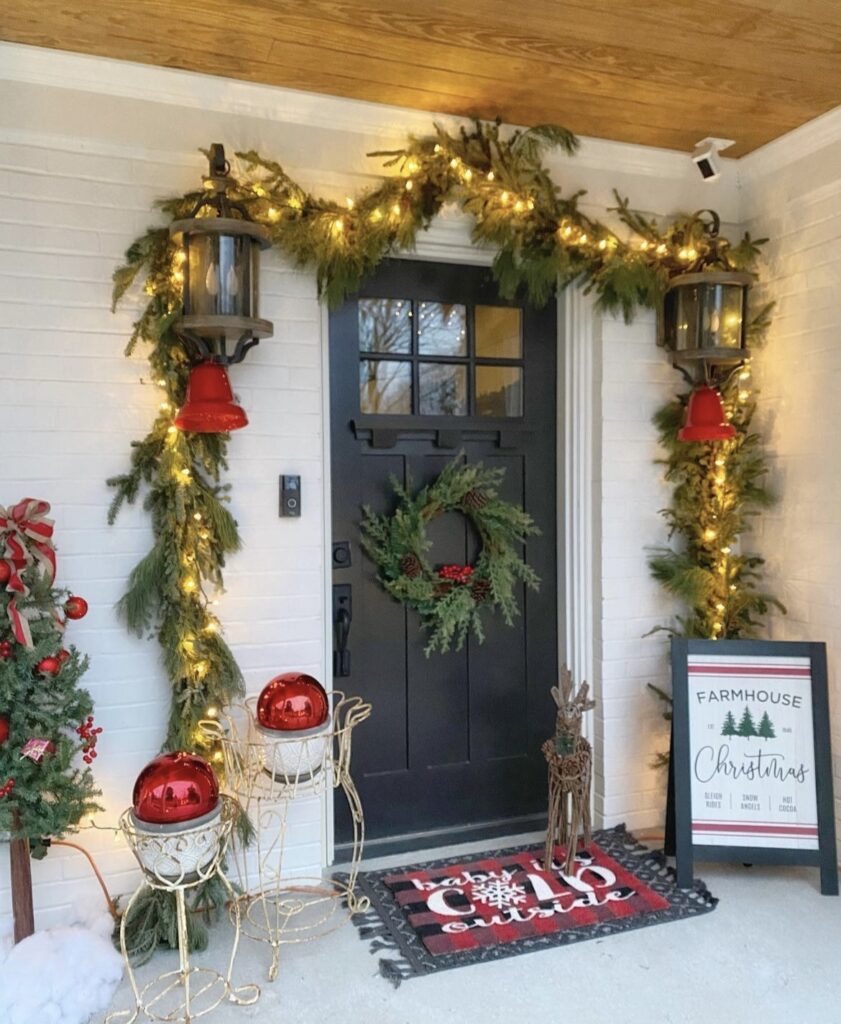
<point x="341" y="655"/>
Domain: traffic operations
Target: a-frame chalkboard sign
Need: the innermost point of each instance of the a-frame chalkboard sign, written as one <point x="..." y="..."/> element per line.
<point x="750" y="774"/>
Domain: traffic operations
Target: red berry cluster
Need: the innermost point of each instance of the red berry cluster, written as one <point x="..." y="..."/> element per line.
<point x="456" y="573"/>
<point x="6" y="788"/>
<point x="5" y="649"/>
<point x="88" y="735"/>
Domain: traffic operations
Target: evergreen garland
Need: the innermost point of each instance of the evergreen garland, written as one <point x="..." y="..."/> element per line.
<point x="193" y="530"/>
<point x="543" y="241"/>
<point x="449" y="599"/>
<point x="717" y="489"/>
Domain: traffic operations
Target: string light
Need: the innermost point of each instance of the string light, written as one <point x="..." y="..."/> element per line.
<point x="349" y="202"/>
<point x="376" y="215"/>
<point x="338" y="226"/>
<point x="396" y="210"/>
<point x="189" y="584"/>
<point x="409" y="185"/>
<point x="710" y="534"/>
<point x="468" y="175"/>
<point x="490" y="176"/>
<point x="197" y="516"/>
<point x="504" y="198"/>
<point x="274" y="213"/>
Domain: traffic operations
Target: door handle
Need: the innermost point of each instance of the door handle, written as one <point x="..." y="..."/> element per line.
<point x="342" y="619"/>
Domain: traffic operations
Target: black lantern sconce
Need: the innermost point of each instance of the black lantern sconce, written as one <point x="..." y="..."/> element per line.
<point x="221" y="272"/>
<point x="703" y="319"/>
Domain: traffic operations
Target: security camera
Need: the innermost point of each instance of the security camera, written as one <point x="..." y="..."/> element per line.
<point x="705" y="156"/>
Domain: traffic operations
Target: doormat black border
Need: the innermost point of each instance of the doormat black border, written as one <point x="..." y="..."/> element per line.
<point x="386" y="927"/>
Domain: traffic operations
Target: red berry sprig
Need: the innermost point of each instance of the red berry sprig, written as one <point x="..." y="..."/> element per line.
<point x="6" y="788"/>
<point x="88" y="735"/>
<point x="456" y="573"/>
<point x="5" y="649"/>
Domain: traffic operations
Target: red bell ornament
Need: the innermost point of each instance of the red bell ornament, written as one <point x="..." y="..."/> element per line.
<point x="705" y="419"/>
<point x="75" y="607"/>
<point x="291" y="702"/>
<point x="209" y="407"/>
<point x="175" y="788"/>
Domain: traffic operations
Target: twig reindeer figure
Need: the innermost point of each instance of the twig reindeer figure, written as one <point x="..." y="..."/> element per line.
<point x="570" y="760"/>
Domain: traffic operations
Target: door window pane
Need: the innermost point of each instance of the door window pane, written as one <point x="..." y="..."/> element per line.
<point x="443" y="389"/>
<point x="385" y="325"/>
<point x="385" y="386"/>
<point x="499" y="391"/>
<point x="499" y="332"/>
<point x="442" y="329"/>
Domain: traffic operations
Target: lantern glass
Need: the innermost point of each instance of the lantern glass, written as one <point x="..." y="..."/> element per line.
<point x="704" y="316"/>
<point x="223" y="275"/>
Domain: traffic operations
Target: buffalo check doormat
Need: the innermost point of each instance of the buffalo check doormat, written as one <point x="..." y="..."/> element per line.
<point x="450" y="913"/>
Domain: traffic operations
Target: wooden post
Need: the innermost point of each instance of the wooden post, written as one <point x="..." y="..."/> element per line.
<point x="21" y="871"/>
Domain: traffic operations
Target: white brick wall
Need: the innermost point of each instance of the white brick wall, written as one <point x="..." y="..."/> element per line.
<point x="80" y="167"/>
<point x="635" y="380"/>
<point x="799" y="377"/>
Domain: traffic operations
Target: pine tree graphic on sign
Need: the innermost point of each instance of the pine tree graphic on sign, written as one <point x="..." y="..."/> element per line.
<point x="746" y="726"/>
<point x="766" y="728"/>
<point x="729" y="727"/>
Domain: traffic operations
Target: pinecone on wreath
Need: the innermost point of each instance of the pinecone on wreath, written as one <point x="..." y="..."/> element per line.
<point x="481" y="591"/>
<point x="410" y="566"/>
<point x="475" y="500"/>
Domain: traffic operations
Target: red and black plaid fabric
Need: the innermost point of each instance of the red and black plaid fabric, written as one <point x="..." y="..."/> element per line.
<point x="478" y="903"/>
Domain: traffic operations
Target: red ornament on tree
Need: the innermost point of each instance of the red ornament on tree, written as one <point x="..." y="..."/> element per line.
<point x="175" y="788"/>
<point x="5" y="649"/>
<point x="63" y="655"/>
<point x="75" y="607"/>
<point x="49" y="666"/>
<point x="292" y="701"/>
<point x="4" y="728"/>
<point x="5" y="572"/>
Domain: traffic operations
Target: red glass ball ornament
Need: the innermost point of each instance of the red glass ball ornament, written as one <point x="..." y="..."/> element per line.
<point x="49" y="666"/>
<point x="5" y="649"/>
<point x="291" y="702"/>
<point x="5" y="572"/>
<point x="175" y="788"/>
<point x="75" y="607"/>
<point x="63" y="655"/>
<point x="4" y="728"/>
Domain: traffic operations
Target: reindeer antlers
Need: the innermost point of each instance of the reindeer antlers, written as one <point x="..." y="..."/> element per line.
<point x="563" y="695"/>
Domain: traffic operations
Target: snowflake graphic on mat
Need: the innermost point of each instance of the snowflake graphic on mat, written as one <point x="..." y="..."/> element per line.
<point x="499" y="893"/>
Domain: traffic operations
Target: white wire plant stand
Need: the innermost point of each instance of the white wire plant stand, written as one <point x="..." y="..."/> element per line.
<point x="175" y="861"/>
<point x="270" y="772"/>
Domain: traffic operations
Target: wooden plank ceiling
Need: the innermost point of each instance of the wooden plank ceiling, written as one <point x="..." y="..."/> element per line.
<point x="656" y="72"/>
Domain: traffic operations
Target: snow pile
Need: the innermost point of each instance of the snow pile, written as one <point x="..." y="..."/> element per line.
<point x="58" y="976"/>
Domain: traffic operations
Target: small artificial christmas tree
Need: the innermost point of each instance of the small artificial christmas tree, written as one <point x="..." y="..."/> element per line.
<point x="729" y="727"/>
<point x="766" y="728"/>
<point x="46" y="719"/>
<point x="746" y="726"/>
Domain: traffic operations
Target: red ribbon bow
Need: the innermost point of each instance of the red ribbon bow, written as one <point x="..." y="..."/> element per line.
<point x="26" y="537"/>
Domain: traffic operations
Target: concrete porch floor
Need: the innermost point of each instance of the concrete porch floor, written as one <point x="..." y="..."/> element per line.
<point x="768" y="954"/>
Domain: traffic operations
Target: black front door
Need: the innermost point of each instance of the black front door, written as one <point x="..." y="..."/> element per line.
<point x="427" y="362"/>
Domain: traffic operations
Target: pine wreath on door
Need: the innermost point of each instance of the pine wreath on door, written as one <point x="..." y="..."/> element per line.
<point x="426" y="361"/>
